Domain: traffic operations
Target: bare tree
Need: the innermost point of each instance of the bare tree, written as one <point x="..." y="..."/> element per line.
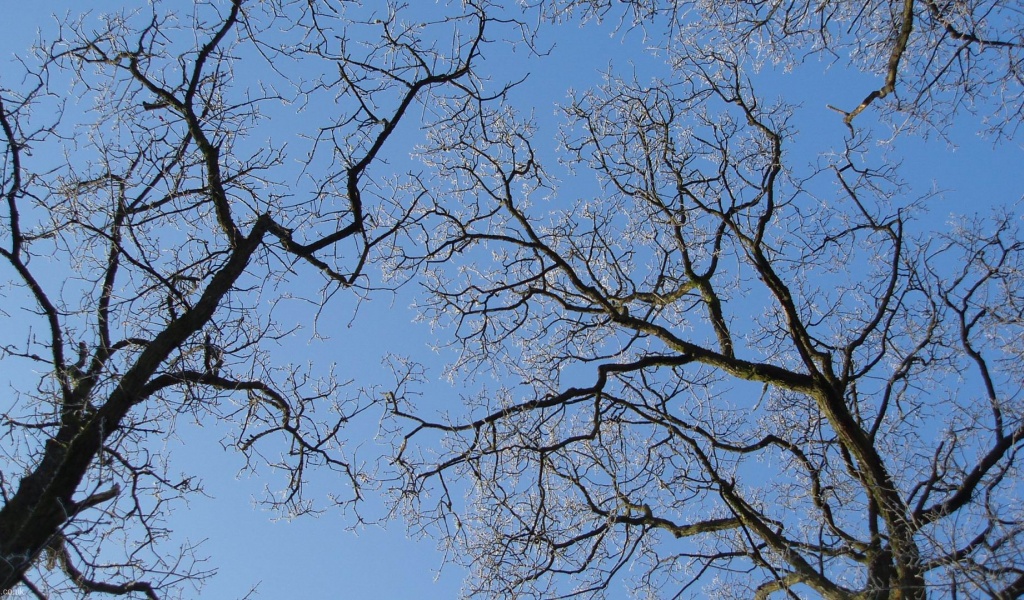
<point x="725" y="374"/>
<point x="721" y="373"/>
<point x="146" y="230"/>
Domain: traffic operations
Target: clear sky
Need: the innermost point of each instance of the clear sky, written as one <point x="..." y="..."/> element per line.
<point x="330" y="557"/>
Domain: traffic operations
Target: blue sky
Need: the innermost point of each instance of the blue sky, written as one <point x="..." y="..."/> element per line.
<point x="332" y="557"/>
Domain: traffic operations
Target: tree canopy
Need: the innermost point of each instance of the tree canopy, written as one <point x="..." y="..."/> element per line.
<point x="698" y="352"/>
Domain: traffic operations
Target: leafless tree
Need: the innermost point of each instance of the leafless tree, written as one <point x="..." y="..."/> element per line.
<point x="149" y="228"/>
<point x="724" y="374"/>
